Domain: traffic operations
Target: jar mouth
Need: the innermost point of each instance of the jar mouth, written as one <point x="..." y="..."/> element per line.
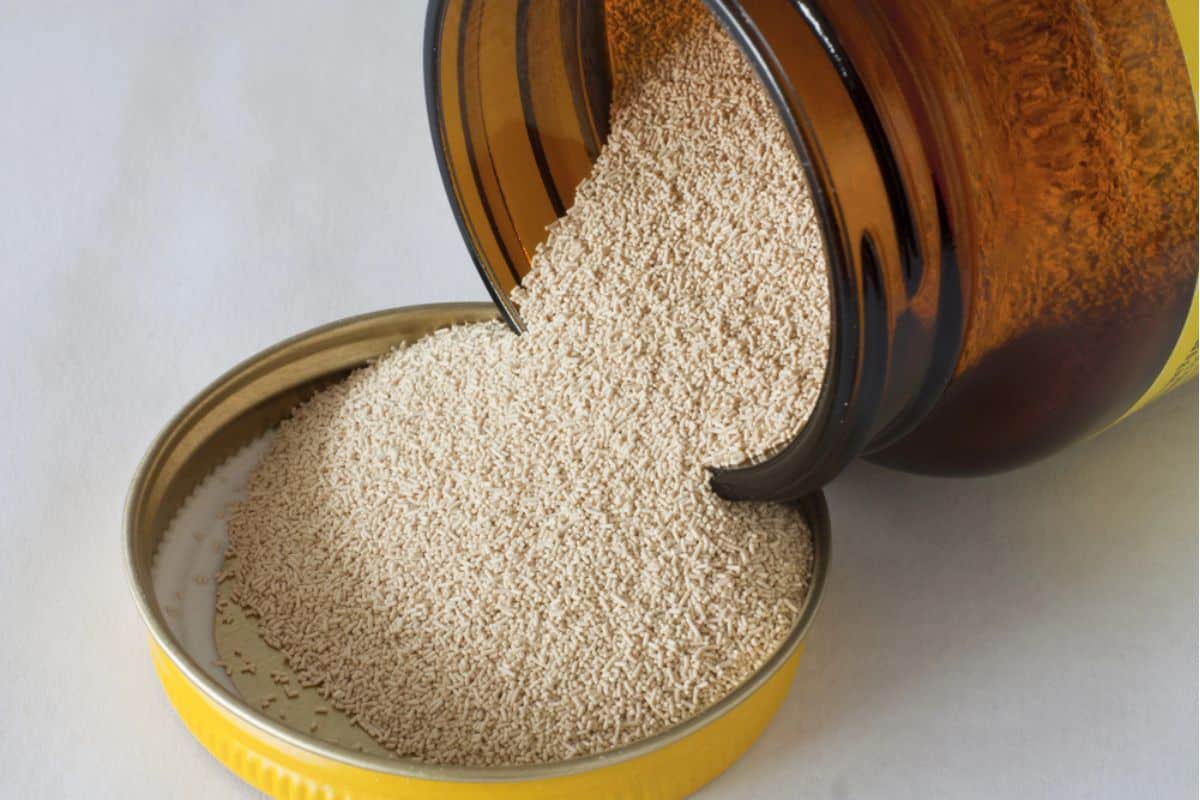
<point x="513" y="144"/>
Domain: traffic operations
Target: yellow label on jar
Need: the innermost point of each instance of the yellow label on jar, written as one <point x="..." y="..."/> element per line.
<point x="1181" y="364"/>
<point x="1180" y="367"/>
<point x="1184" y="14"/>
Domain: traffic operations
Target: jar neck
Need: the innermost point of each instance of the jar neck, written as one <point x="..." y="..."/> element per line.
<point x="897" y="300"/>
<point x="840" y="85"/>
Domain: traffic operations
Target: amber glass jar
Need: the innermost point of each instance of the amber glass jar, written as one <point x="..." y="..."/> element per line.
<point x="1007" y="189"/>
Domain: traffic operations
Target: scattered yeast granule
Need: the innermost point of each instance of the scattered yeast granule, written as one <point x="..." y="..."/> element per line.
<point x="494" y="549"/>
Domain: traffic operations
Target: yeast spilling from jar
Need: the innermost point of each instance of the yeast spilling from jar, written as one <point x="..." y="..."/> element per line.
<point x="494" y="550"/>
<point x="1007" y="197"/>
<point x="949" y="239"/>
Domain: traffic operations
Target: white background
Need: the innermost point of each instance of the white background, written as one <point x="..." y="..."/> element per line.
<point x="182" y="184"/>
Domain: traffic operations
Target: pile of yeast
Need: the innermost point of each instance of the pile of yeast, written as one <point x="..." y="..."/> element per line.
<point x="495" y="549"/>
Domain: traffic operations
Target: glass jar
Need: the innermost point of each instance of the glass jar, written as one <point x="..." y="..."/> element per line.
<point x="1007" y="191"/>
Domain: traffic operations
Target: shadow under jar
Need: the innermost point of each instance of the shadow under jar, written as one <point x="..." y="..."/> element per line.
<point x="1007" y="193"/>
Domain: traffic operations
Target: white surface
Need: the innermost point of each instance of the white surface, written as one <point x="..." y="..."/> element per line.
<point x="186" y="183"/>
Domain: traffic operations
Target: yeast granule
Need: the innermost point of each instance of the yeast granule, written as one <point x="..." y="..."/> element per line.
<point x="495" y="549"/>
